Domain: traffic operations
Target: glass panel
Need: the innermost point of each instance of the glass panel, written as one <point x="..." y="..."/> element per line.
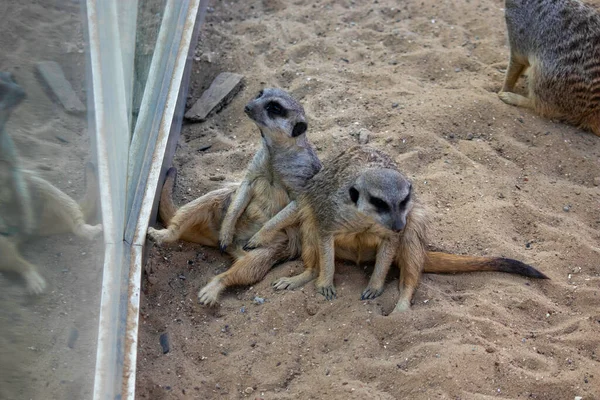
<point x="47" y="339"/>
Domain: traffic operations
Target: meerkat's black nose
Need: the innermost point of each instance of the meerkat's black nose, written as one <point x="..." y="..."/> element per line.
<point x="247" y="109"/>
<point x="398" y="224"/>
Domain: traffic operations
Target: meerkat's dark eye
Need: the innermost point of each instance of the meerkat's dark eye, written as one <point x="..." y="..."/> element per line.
<point x="379" y="204"/>
<point x="260" y="94"/>
<point x="275" y="109"/>
<point x="354" y="195"/>
<point x="404" y="202"/>
<point x="299" y="129"/>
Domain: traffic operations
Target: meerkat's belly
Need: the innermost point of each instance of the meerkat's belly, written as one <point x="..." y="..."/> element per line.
<point x="357" y="247"/>
<point x="267" y="200"/>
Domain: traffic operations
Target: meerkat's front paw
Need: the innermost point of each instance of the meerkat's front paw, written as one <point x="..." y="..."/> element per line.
<point x="35" y="283"/>
<point x="371" y="293"/>
<point x="328" y="291"/>
<point x="254" y="242"/>
<point x="209" y="294"/>
<point x="225" y="240"/>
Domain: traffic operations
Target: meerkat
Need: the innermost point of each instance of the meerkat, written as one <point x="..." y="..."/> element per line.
<point x="558" y="42"/>
<point x="227" y="218"/>
<point x="360" y="208"/>
<point x="31" y="206"/>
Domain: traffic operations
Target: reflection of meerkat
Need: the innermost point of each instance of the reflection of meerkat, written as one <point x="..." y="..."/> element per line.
<point x="361" y="208"/>
<point x="54" y="212"/>
<point x="559" y="43"/>
<point x="280" y="168"/>
<point x="31" y="206"/>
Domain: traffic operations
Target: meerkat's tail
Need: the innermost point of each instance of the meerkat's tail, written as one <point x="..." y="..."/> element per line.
<point x="443" y="263"/>
<point x="89" y="202"/>
<point x="167" y="208"/>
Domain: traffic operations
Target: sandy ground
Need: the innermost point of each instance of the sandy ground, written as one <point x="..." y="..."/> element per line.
<point x="47" y="342"/>
<point x="422" y="77"/>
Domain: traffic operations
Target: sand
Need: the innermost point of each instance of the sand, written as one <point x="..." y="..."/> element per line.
<point x="48" y="342"/>
<point x="421" y="77"/>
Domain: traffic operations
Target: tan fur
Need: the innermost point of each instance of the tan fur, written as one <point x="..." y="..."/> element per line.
<point x="54" y="212"/>
<point x="229" y="217"/>
<point x="332" y="226"/>
<point x="558" y="43"/>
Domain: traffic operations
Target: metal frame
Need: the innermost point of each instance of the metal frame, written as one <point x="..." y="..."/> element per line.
<point x="129" y="171"/>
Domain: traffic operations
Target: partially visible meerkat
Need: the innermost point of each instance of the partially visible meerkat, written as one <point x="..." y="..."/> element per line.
<point x="359" y="207"/>
<point x="558" y="42"/>
<point x="31" y="206"/>
<point x="229" y="217"/>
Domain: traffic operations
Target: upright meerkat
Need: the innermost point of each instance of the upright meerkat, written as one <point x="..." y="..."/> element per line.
<point x="359" y="207"/>
<point x="229" y="217"/>
<point x="558" y="42"/>
<point x="31" y="206"/>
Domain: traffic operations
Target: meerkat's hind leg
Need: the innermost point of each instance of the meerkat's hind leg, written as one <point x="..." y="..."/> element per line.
<point x="12" y="261"/>
<point x="248" y="269"/>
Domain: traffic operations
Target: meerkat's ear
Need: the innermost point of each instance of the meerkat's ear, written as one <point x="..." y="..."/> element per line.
<point x="354" y="194"/>
<point x="299" y="129"/>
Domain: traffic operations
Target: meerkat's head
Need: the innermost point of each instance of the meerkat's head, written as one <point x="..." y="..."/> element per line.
<point x="277" y="114"/>
<point x="383" y="194"/>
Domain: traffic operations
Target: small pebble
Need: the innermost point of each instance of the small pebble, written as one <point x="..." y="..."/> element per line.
<point x="597" y="181"/>
<point x="578" y="398"/>
<point x="258" y="300"/>
<point x="248" y="390"/>
<point x="363" y="136"/>
<point x="164" y="343"/>
<point x="566" y="208"/>
<point x="451" y="135"/>
<point x="394" y="105"/>
<point x="457" y="69"/>
<point x="73" y="335"/>
<point x="243" y="309"/>
<point x="470" y="136"/>
<point x="521" y="120"/>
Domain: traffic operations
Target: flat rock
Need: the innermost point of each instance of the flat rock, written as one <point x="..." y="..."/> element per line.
<point x="52" y="75"/>
<point x="218" y="95"/>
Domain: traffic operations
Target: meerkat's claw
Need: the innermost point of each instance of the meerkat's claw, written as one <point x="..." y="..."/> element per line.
<point x="282" y="284"/>
<point x="35" y="283"/>
<point x="371" y="293"/>
<point x="328" y="291"/>
<point x="222" y="248"/>
<point x="248" y="247"/>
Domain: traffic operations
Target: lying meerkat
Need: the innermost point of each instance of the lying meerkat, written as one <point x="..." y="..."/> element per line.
<point x="559" y="43"/>
<point x="31" y="206"/>
<point x="359" y="207"/>
<point x="229" y="217"/>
